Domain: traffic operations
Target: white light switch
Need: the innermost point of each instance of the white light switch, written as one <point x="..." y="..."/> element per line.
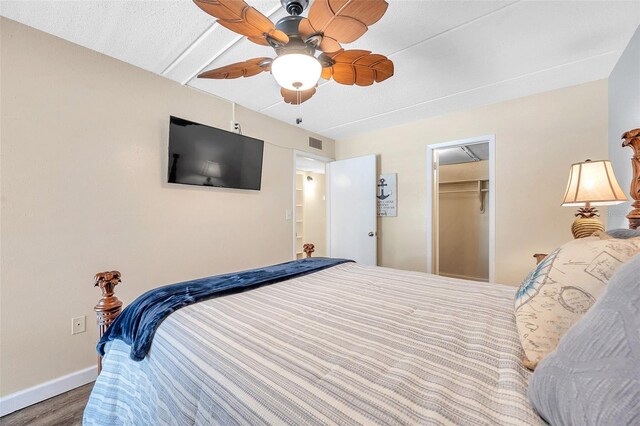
<point x="78" y="325"/>
<point x="287" y="214"/>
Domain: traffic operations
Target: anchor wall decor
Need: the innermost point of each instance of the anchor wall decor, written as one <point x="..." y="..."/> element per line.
<point x="382" y="185"/>
<point x="387" y="195"/>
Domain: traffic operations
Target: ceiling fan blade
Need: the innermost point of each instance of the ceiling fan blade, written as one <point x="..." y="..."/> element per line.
<point x="359" y="67"/>
<point x="241" y="18"/>
<point x="291" y="96"/>
<point x="341" y="21"/>
<point x="327" y="44"/>
<point x="239" y="69"/>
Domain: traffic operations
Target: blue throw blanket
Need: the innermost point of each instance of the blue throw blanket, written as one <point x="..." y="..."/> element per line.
<point x="138" y="322"/>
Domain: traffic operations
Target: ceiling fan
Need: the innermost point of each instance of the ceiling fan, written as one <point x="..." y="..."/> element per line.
<point x="295" y="39"/>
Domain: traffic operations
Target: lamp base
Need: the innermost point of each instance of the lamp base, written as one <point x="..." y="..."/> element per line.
<point x="585" y="227"/>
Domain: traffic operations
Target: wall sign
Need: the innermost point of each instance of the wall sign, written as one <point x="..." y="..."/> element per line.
<point x="387" y="195"/>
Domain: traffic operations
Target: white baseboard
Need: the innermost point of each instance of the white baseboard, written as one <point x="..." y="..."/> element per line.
<point x="24" y="398"/>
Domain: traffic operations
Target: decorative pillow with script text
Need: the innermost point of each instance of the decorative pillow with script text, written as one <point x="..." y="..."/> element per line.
<point x="562" y="288"/>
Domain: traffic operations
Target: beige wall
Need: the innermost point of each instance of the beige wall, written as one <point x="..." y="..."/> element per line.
<point x="624" y="115"/>
<point x="463" y="228"/>
<point x="315" y="213"/>
<point x="537" y="138"/>
<point x="84" y="147"/>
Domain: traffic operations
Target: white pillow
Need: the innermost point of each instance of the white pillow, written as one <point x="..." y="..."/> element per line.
<point x="562" y="288"/>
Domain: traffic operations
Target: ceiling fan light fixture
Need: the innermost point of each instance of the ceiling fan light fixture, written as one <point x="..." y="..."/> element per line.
<point x="296" y="71"/>
<point x="296" y="38"/>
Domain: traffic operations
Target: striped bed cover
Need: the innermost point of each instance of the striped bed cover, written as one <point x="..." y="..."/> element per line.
<point x="352" y="344"/>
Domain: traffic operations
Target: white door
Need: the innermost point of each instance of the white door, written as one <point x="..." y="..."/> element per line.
<point x="351" y="186"/>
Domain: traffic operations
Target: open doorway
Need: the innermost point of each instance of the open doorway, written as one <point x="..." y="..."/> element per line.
<point x="310" y="205"/>
<point x="461" y="186"/>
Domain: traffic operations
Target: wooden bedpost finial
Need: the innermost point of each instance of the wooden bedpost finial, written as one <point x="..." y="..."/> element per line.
<point x="632" y="139"/>
<point x="308" y="249"/>
<point x="109" y="306"/>
<point x="107" y="282"/>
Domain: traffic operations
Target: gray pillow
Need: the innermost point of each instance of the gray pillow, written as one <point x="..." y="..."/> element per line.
<point x="624" y="233"/>
<point x="593" y="377"/>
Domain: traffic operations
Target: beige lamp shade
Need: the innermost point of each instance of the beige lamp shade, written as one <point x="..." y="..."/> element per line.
<point x="211" y="169"/>
<point x="593" y="182"/>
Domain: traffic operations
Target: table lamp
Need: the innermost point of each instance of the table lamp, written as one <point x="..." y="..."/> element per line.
<point x="211" y="170"/>
<point x="591" y="183"/>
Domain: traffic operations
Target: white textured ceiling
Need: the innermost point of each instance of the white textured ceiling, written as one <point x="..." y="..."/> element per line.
<point x="448" y="55"/>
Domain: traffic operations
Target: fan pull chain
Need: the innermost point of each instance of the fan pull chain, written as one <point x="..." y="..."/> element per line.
<point x="299" y="101"/>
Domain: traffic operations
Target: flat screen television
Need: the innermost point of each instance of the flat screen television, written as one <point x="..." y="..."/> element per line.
<point x="205" y="156"/>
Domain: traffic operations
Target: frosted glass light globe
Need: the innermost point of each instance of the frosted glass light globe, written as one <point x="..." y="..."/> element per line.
<point x="296" y="71"/>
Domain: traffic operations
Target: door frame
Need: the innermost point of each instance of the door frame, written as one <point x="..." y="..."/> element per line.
<point x="432" y="215"/>
<point x="298" y="153"/>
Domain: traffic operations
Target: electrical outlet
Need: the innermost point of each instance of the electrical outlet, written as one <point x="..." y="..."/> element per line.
<point x="234" y="126"/>
<point x="78" y="325"/>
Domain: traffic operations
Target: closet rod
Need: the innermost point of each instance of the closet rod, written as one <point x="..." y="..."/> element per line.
<point x="479" y="190"/>
<point x="465" y="181"/>
<point x="463" y="190"/>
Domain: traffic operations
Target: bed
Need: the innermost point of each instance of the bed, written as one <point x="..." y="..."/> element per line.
<point x="350" y="344"/>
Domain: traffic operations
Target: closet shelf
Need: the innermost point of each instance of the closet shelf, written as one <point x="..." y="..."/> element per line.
<point x="465" y="181"/>
<point x="463" y="190"/>
<point x="480" y="190"/>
